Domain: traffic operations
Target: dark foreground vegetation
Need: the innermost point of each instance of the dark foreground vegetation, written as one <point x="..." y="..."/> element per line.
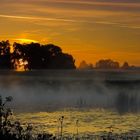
<point x="15" y="131"/>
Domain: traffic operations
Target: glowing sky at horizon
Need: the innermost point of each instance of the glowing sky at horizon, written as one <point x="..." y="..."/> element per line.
<point x="87" y="29"/>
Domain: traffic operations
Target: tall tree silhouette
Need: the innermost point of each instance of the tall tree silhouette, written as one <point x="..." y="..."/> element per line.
<point x="5" y="55"/>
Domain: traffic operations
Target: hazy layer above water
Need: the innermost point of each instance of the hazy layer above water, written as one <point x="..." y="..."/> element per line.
<point x="52" y="90"/>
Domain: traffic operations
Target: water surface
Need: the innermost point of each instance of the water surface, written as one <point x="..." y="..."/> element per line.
<point x="100" y="100"/>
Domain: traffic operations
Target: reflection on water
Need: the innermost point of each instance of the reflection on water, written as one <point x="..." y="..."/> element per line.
<point x="90" y="121"/>
<point x="91" y="93"/>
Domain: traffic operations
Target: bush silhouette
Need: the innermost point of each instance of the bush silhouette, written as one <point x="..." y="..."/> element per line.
<point x="14" y="131"/>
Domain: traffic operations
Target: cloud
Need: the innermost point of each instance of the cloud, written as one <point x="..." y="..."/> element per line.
<point x="73" y="11"/>
<point x="122" y="3"/>
<point x="102" y="12"/>
<point x="67" y="5"/>
<point x="36" y="18"/>
<point x="118" y="24"/>
<point x="95" y="2"/>
<point x="70" y="20"/>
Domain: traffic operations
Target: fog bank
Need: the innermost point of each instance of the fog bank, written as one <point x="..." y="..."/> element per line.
<point x="51" y="90"/>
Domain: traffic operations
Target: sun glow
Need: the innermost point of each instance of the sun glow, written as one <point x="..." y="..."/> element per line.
<point x="25" y="40"/>
<point x="21" y="65"/>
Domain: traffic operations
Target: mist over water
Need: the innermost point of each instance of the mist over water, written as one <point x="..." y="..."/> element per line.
<point x="52" y="90"/>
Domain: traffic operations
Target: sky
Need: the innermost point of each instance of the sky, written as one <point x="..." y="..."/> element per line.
<point x="88" y="29"/>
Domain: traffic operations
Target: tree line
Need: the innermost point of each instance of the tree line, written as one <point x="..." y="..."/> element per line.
<point x="106" y="64"/>
<point x="34" y="56"/>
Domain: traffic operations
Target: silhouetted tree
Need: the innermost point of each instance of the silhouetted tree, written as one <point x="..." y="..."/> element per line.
<point x="39" y="56"/>
<point x="84" y="65"/>
<point x="107" y="64"/>
<point x="125" y="65"/>
<point x="5" y="55"/>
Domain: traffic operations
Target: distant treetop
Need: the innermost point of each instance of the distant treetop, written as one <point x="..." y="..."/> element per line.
<point x="107" y="64"/>
<point x="85" y="66"/>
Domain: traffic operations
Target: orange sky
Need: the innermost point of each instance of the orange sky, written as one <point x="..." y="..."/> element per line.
<point x="89" y="30"/>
